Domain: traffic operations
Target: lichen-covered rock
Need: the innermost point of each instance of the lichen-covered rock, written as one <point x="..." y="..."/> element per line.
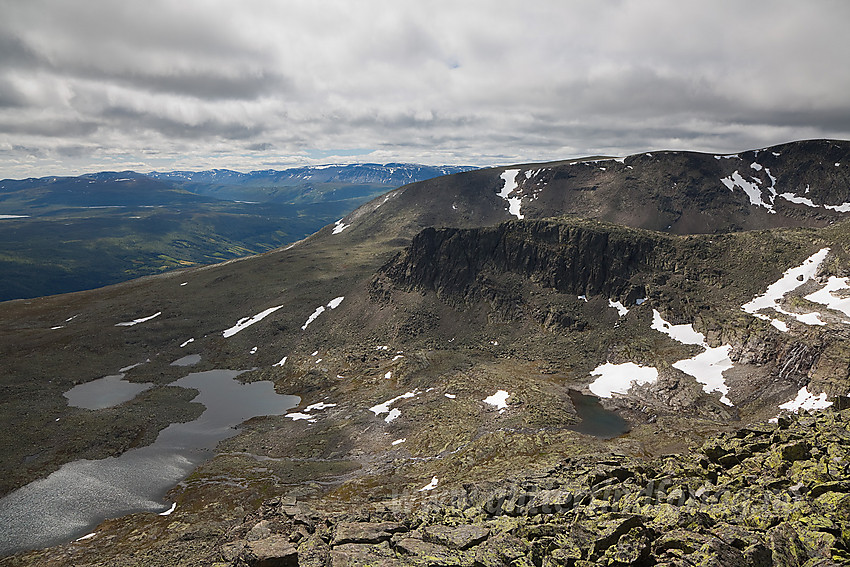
<point x="428" y="553"/>
<point x="785" y="500"/>
<point x="458" y="537"/>
<point x="550" y="502"/>
<point x="365" y="532"/>
<point x="273" y="551"/>
<point x="313" y="552"/>
<point x="503" y="550"/>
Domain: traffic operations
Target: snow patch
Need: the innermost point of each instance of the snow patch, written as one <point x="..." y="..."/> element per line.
<point x="793" y="198"/>
<point x="843" y="208"/>
<point x="708" y="366"/>
<point x="187" y="342"/>
<point x="170" y="510"/>
<point x="619" y="378"/>
<point x="451" y="396"/>
<point x="132" y="366"/>
<point x="246" y="322"/>
<point x="684" y="334"/>
<point x="514" y="203"/>
<point x="399" y="441"/>
<point x="332" y="304"/>
<point x="791" y="279"/>
<point x="499" y="400"/>
<point x="826" y="295"/>
<point x="431" y="485"/>
<point x="137" y="321"/>
<point x="339" y="226"/>
<point x="806" y="401"/>
<point x="751" y="188"/>
<point x="621" y="309"/>
<point x="319" y="310"/>
<point x="281" y="363"/>
<point x="385" y="406"/>
<point x="298" y="416"/>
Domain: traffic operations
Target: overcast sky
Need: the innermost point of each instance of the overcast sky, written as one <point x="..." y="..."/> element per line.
<point x="89" y="85"/>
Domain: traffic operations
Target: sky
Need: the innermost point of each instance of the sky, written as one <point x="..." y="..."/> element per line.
<point x="91" y="85"/>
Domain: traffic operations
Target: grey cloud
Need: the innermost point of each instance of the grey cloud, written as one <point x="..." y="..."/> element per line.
<point x="145" y="51"/>
<point x="50" y="128"/>
<point x="21" y="150"/>
<point x="127" y="120"/>
<point x="260" y="147"/>
<point x="473" y="81"/>
<point x="15" y="52"/>
<point x="74" y="151"/>
<point x="209" y="85"/>
<point x="10" y="96"/>
<point x="826" y="119"/>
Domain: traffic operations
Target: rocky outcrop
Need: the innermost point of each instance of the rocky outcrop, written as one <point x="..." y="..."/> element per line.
<point x="580" y="257"/>
<point x="768" y="494"/>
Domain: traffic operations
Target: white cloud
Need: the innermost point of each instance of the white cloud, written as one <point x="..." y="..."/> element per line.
<point x="242" y="84"/>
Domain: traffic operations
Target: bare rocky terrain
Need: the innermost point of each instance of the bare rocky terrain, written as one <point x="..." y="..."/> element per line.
<point x="438" y="423"/>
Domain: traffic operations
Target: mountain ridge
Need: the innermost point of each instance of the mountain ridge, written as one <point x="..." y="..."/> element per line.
<point x="449" y="338"/>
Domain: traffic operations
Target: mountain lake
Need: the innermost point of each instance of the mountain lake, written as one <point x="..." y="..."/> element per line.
<point x="74" y="499"/>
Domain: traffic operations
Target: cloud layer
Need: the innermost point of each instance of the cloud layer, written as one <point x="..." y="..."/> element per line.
<point x="158" y="84"/>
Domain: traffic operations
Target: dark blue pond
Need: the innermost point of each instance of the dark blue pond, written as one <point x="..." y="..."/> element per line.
<point x="595" y="419"/>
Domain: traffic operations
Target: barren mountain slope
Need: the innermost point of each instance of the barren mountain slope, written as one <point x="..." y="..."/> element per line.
<point x="448" y="358"/>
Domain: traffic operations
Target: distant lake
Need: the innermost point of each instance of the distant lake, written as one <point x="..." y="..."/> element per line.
<point x="73" y="500"/>
<point x="595" y="419"/>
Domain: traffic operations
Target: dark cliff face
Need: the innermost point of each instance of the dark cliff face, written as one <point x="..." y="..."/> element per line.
<point x="577" y="257"/>
<point x="690" y="277"/>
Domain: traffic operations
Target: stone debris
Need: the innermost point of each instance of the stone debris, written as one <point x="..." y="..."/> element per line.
<point x="768" y="494"/>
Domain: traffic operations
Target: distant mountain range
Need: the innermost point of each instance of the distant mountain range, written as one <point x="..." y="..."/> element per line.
<point x="64" y="234"/>
<point x="396" y="174"/>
